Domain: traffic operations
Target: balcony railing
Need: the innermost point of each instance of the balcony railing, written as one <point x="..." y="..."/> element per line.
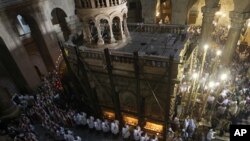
<point x="98" y="3"/>
<point x="122" y="57"/>
<point x="156" y="28"/>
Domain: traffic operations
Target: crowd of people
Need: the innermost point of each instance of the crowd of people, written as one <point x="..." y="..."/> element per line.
<point x="227" y="100"/>
<point x="43" y="109"/>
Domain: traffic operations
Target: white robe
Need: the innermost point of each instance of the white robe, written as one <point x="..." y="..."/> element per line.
<point x="137" y="134"/>
<point x="98" y="125"/>
<point x="105" y="127"/>
<point x="114" y="128"/>
<point x="83" y="119"/>
<point x="210" y="135"/>
<point x="155" y="139"/>
<point x="90" y="122"/>
<point x="144" y="138"/>
<point x="125" y="132"/>
<point x="78" y="139"/>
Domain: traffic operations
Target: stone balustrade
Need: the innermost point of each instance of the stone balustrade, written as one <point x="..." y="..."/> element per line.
<point x="98" y="3"/>
<point x="121" y="57"/>
<point x="140" y="27"/>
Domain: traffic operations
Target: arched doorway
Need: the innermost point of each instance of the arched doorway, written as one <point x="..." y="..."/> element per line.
<point x="105" y="31"/>
<point x="34" y="43"/>
<point x="59" y="17"/>
<point x="116" y="28"/>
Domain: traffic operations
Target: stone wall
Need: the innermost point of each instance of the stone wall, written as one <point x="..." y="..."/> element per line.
<point x="38" y="15"/>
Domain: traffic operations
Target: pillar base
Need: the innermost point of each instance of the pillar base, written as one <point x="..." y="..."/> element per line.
<point x="112" y="40"/>
<point x="123" y="37"/>
<point x="100" y="42"/>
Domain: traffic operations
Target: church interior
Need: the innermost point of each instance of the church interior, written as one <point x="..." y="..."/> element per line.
<point x="133" y="70"/>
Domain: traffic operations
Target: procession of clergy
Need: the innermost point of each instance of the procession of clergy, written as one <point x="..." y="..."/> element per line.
<point x="43" y="108"/>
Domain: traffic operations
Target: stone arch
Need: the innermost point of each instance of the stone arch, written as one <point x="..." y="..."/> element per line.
<point x="39" y="45"/>
<point x="105" y="30"/>
<point x="124" y="11"/>
<point x="127" y="100"/>
<point x="115" y="14"/>
<point x="59" y="18"/>
<point x="102" y="16"/>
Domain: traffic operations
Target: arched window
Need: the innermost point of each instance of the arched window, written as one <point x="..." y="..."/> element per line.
<point x="23" y="28"/>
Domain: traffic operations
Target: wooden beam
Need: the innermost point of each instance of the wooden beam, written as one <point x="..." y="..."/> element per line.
<point x="115" y="96"/>
<point x="139" y="102"/>
<point x="168" y="97"/>
<point x="91" y="92"/>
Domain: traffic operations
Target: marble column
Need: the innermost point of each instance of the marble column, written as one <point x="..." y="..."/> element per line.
<point x="126" y="27"/>
<point x="107" y="2"/>
<point x="92" y="4"/>
<point x="207" y="24"/>
<point x="112" y="39"/>
<point x="237" y="23"/>
<point x="100" y="39"/>
<point x="121" y="31"/>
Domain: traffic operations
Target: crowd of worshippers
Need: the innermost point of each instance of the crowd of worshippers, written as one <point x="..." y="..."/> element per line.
<point x="219" y="35"/>
<point x="41" y="108"/>
<point x="234" y="100"/>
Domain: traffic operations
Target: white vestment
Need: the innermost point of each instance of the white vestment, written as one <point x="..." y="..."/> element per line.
<point x="125" y="132"/>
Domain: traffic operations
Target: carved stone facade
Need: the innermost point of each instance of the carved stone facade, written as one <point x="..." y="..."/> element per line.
<point x="105" y="21"/>
<point x="141" y="85"/>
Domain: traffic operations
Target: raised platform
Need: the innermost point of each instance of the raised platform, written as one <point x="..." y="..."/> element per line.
<point x="158" y="44"/>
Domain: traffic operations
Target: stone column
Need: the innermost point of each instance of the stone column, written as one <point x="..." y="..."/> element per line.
<point x="237" y="23"/>
<point x="207" y="24"/>
<point x="86" y="32"/>
<point x="126" y="27"/>
<point x="100" y="39"/>
<point x="92" y="4"/>
<point x="112" y="39"/>
<point x="121" y="31"/>
<point x="98" y="4"/>
<point x="107" y="2"/>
